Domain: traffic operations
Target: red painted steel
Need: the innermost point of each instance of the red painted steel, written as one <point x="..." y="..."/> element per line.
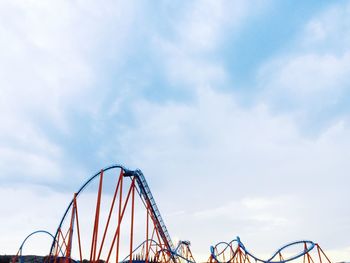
<point x="104" y="238"/>
<point x="233" y="253"/>
<point x="118" y="225"/>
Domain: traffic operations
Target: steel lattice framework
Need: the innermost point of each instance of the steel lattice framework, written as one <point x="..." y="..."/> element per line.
<point x="236" y="252"/>
<point x="157" y="246"/>
<point x="119" y="221"/>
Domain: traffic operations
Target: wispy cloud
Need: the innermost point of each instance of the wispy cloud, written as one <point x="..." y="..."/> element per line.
<point x="85" y="85"/>
<point x="311" y="80"/>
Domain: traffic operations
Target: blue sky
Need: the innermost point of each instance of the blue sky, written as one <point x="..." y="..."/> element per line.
<point x="245" y="100"/>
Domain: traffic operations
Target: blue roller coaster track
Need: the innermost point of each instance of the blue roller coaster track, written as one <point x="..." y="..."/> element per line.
<point x="222" y="252"/>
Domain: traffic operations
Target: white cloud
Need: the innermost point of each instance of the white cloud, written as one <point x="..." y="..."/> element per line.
<point x="328" y="30"/>
<point x="201" y="155"/>
<point x="308" y="75"/>
<point x="257" y="203"/>
<point x="265" y="212"/>
<point x="26" y="210"/>
<point x="48" y="73"/>
<point x="214" y="154"/>
<point x="311" y="79"/>
<point x="198" y="32"/>
<point x="52" y="48"/>
<point x="205" y="23"/>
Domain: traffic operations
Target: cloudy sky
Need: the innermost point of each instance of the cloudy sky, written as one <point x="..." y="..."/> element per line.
<point x="237" y="112"/>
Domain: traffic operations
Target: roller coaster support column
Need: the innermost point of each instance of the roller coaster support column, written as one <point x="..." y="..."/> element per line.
<point x="97" y="217"/>
<point x="132" y="219"/>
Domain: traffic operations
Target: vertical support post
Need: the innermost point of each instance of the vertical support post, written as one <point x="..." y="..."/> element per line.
<point x="150" y="246"/>
<point x="119" y="216"/>
<point x="58" y="242"/>
<point x="307" y="254"/>
<point x="240" y="255"/>
<point x="97" y="216"/>
<point x="78" y="228"/>
<point x="70" y="233"/>
<point x="110" y="213"/>
<point x="147" y="222"/>
<point x="132" y="219"/>
<point x="280" y="255"/>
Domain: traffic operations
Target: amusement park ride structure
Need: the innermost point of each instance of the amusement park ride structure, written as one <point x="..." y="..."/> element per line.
<point x="114" y="230"/>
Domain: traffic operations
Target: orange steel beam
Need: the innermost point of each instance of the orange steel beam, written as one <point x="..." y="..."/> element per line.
<point x="78" y="228"/>
<point x="159" y="239"/>
<point x="119" y="223"/>
<point x="70" y="231"/>
<point x="150" y="247"/>
<point x="57" y="248"/>
<point x="64" y="238"/>
<point x="320" y="249"/>
<point x="119" y="217"/>
<point x="97" y="217"/>
<point x="147" y="221"/>
<point x="110" y="213"/>
<point x="132" y="220"/>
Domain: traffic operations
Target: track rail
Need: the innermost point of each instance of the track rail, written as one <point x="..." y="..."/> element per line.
<point x="155" y="226"/>
<point x="147" y="195"/>
<point x="157" y="245"/>
<point x="235" y="251"/>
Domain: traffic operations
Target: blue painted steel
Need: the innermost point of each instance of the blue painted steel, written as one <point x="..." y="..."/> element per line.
<point x="144" y="191"/>
<point x="147" y="195"/>
<point x="27" y="237"/>
<point x="185" y="243"/>
<point x="147" y="240"/>
<point x="173" y="253"/>
<point x="310" y="244"/>
<point x="176" y="255"/>
<point x="79" y="191"/>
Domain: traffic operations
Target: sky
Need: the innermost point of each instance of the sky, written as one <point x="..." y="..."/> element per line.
<point x="237" y="112"/>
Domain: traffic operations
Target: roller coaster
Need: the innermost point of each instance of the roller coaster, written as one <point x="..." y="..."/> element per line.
<point x="117" y="220"/>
